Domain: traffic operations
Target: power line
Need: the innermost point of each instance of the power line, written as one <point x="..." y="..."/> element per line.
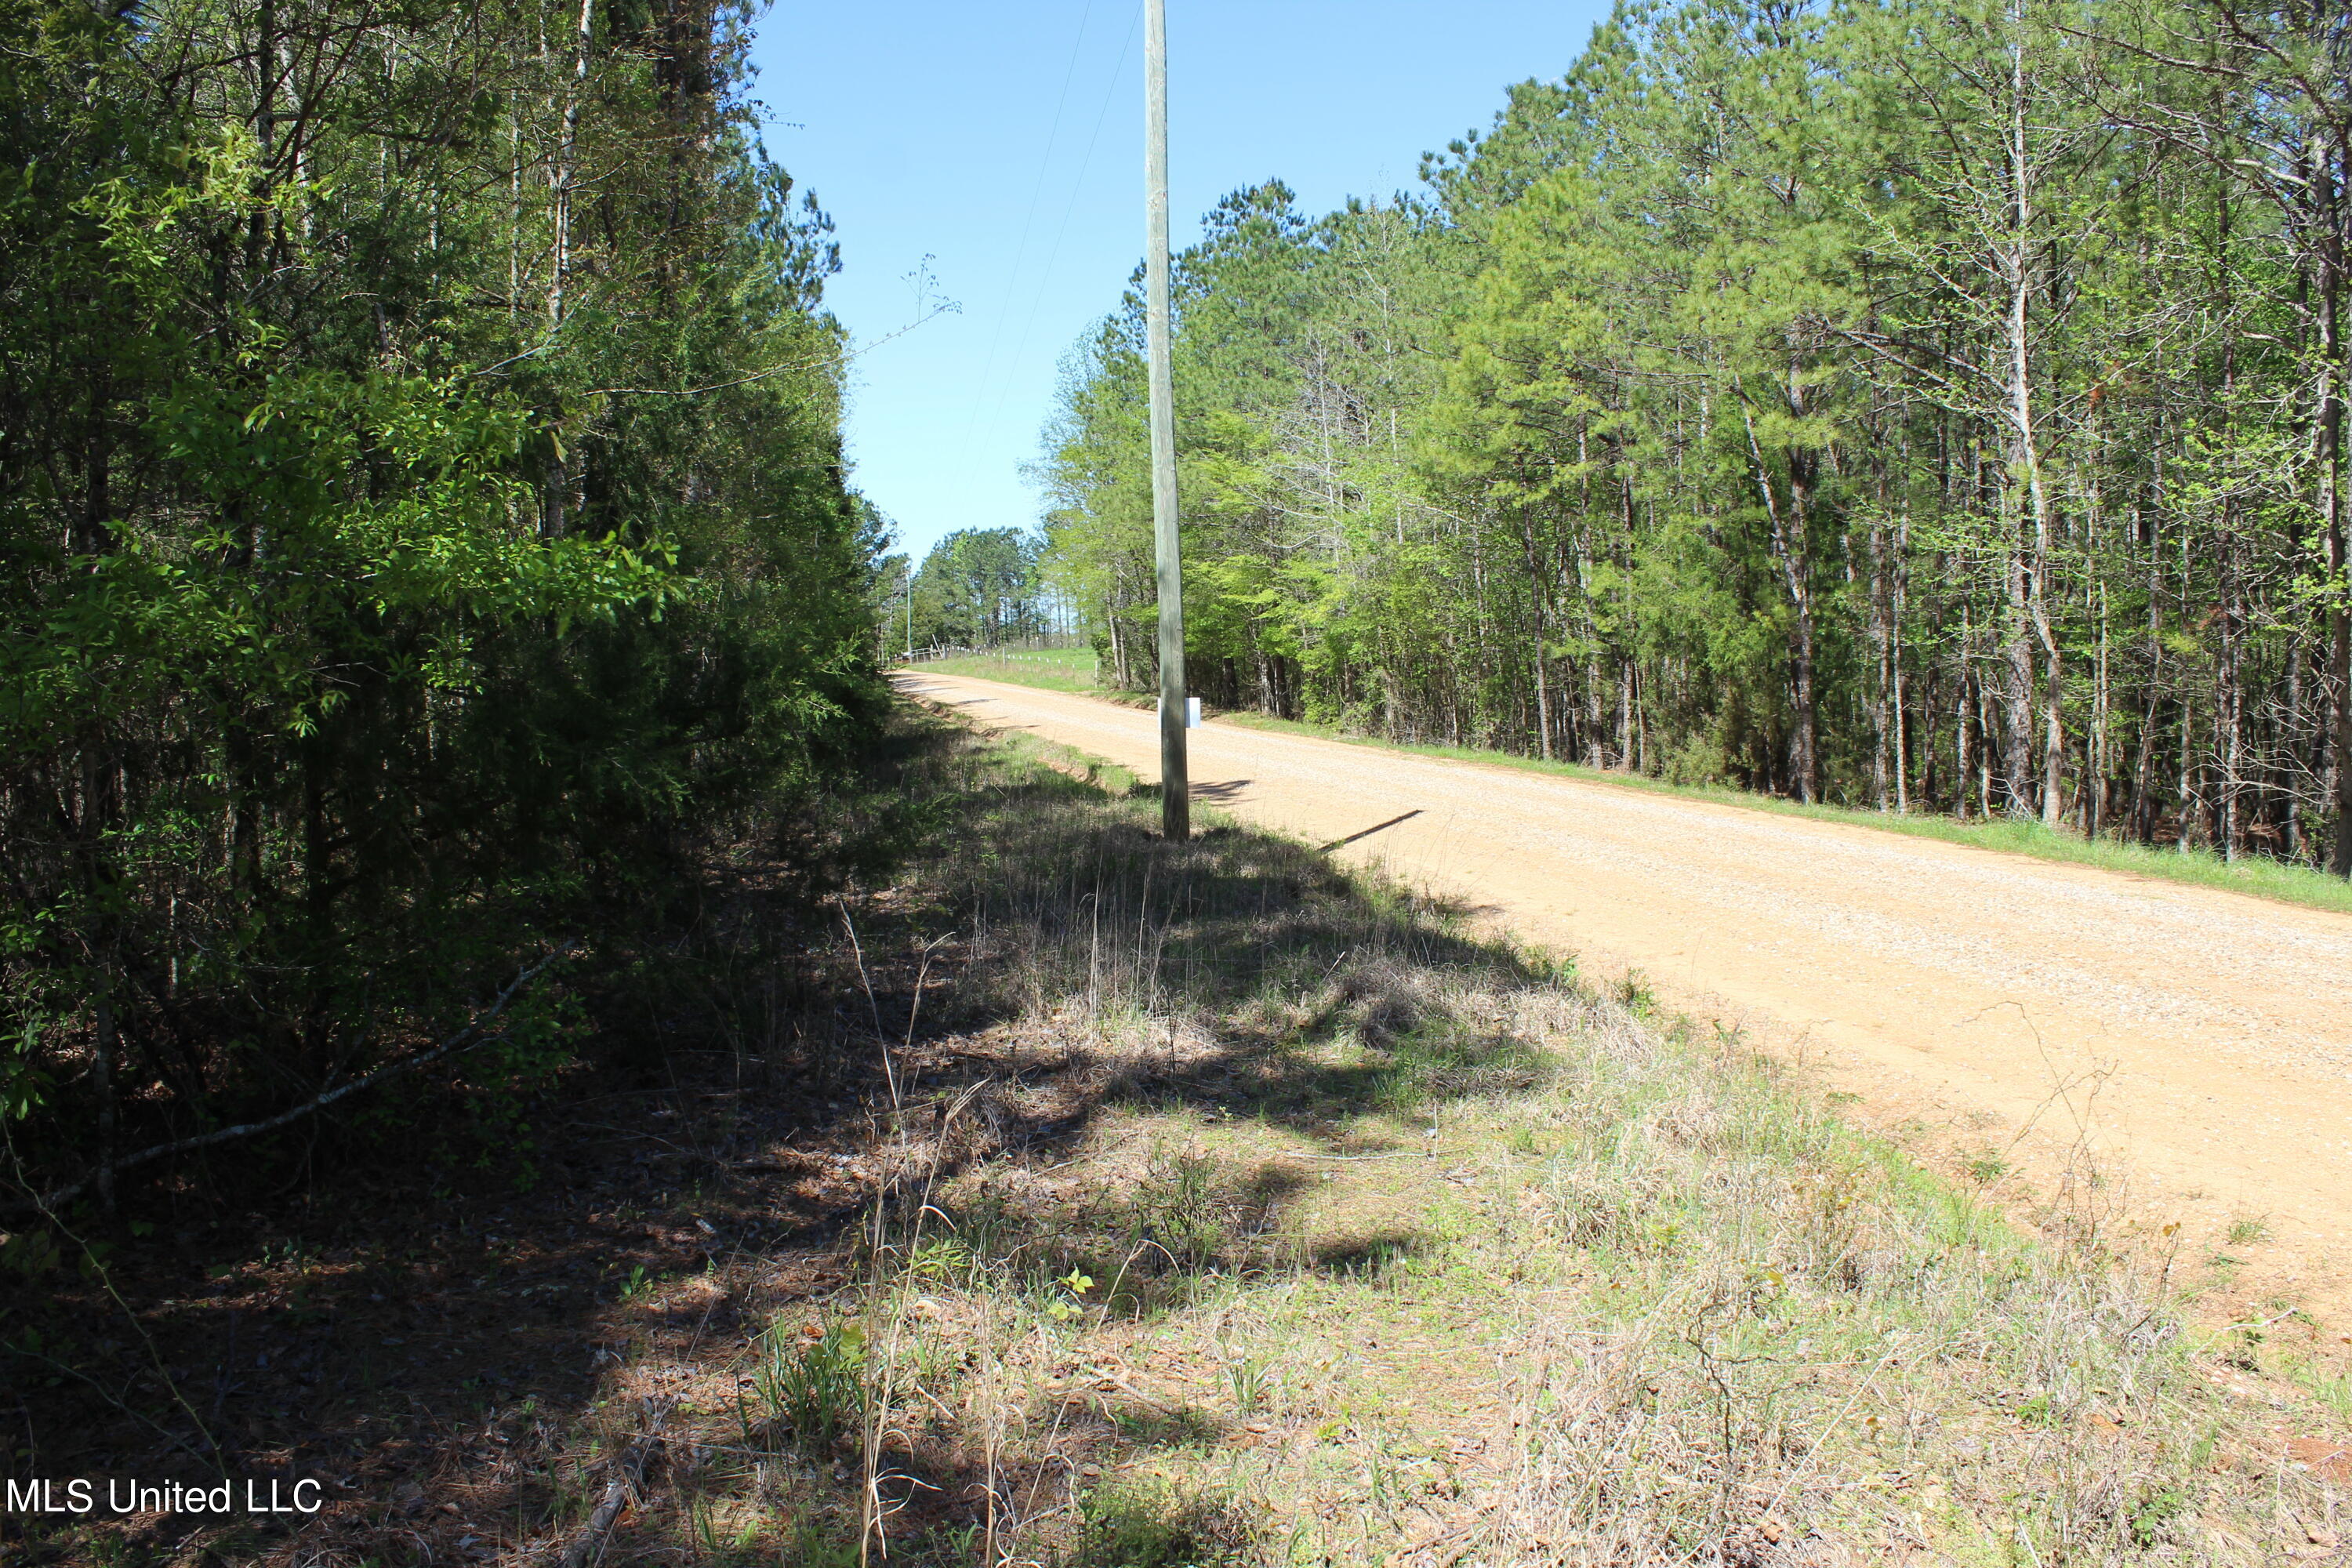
<point x="1077" y="188"/>
<point x="1021" y="250"/>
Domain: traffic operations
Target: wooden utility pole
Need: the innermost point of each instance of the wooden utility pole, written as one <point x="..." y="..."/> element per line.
<point x="1175" y="783"/>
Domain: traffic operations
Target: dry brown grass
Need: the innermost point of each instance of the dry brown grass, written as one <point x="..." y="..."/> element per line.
<point x="1362" y="1238"/>
<point x="1212" y="1207"/>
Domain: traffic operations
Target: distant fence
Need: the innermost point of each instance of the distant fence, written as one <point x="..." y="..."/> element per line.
<point x="1027" y="650"/>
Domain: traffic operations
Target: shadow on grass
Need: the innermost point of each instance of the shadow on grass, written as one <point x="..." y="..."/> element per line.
<point x="1236" y="979"/>
<point x="1157" y="1526"/>
<point x="463" y="1353"/>
<point x="1370" y="1256"/>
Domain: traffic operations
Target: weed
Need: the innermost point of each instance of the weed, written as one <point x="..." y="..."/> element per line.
<point x="1179" y="1210"/>
<point x="1633" y="992"/>
<point x="953" y="1544"/>
<point x="1250" y="1373"/>
<point x="1381" y="1474"/>
<point x="702" y="1525"/>
<point x="811" y="1545"/>
<point x="1185" y="1427"/>
<point x="2249" y="1230"/>
<point x="814" y="1384"/>
<point x="1070" y="1298"/>
<point x="1156" y="1525"/>
<point x="2334" y="1392"/>
<point x="2155" y="1515"/>
<point x="941" y="1258"/>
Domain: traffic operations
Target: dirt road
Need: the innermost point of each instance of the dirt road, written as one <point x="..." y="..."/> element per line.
<point x="2196" y="1042"/>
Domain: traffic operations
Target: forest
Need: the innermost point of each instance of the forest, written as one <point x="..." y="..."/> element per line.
<point x="428" y="551"/>
<point x="1927" y="404"/>
<point x="977" y="588"/>
<point x="513" y="1031"/>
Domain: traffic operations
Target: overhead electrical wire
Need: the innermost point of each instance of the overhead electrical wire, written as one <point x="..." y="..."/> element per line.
<point x="1021" y="249"/>
<point x="1077" y="188"/>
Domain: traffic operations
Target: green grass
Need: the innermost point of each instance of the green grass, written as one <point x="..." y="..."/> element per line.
<point x="2256" y="878"/>
<point x="1051" y="669"/>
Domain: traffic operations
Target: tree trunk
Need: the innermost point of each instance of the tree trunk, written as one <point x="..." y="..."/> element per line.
<point x="2328" y="457"/>
<point x="2030" y="578"/>
<point x="1791" y="554"/>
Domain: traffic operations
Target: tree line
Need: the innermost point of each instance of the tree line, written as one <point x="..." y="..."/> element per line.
<point x="977" y="588"/>
<point x="426" y="540"/>
<point x="1925" y="404"/>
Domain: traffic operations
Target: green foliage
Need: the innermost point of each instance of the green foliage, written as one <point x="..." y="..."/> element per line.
<point x="978" y="588"/>
<point x="1902" y="403"/>
<point x="421" y="492"/>
<point x="814" y="1385"/>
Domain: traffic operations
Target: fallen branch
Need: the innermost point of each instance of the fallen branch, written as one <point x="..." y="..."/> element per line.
<point x="464" y="1039"/>
<point x="1398" y="1154"/>
<point x="1463" y="1533"/>
<point x="589" y="1546"/>
<point x="1121" y="1384"/>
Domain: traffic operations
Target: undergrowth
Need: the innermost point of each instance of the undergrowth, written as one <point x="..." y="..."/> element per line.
<point x="1206" y="1207"/>
<point x="1349" y="1236"/>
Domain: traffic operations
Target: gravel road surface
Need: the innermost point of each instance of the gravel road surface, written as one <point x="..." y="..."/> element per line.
<point x="2196" y="1043"/>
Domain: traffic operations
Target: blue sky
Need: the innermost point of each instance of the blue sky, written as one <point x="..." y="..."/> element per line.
<point x="1005" y="142"/>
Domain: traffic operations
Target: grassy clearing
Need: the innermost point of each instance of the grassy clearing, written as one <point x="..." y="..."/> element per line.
<point x="1237" y="1212"/>
<point x="2256" y="877"/>
<point x="1051" y="669"/>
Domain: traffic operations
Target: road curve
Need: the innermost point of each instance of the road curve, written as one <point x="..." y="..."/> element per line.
<point x="2198" y="1041"/>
